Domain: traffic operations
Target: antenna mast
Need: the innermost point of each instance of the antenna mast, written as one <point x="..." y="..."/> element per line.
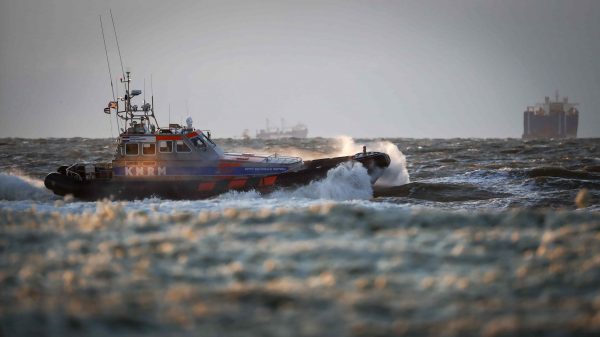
<point x="127" y="96"/>
<point x="152" y="98"/>
<point x="117" y="39"/>
<point x="107" y="62"/>
<point x="112" y="88"/>
<point x="130" y="112"/>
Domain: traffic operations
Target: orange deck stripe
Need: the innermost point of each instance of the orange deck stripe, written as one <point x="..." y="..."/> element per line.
<point x="268" y="181"/>
<point x="203" y="187"/>
<point x="170" y="137"/>
<point x="239" y="183"/>
<point x="228" y="164"/>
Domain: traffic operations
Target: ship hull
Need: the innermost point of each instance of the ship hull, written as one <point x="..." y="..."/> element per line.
<point x="201" y="187"/>
<point x="551" y="119"/>
<point x="560" y="125"/>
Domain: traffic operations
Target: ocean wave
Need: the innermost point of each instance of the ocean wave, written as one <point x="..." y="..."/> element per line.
<point x="15" y="186"/>
<point x="561" y="172"/>
<point x="329" y="267"/>
<point x="395" y="174"/>
<point x="490" y="164"/>
<point x="442" y="192"/>
<point x="347" y="181"/>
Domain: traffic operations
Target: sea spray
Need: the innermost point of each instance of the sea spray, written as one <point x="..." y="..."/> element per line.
<point x="395" y="174"/>
<point x="347" y="181"/>
<point x="14" y="187"/>
<point x="286" y="150"/>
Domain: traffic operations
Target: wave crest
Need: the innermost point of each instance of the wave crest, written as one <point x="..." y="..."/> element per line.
<point x="347" y="181"/>
<point x="14" y="187"/>
<point x="395" y="174"/>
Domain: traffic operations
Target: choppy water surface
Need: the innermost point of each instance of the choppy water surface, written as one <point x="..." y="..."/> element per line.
<point x="461" y="237"/>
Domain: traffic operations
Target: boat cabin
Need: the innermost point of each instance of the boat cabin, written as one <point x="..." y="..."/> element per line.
<point x="167" y="146"/>
<point x="146" y="150"/>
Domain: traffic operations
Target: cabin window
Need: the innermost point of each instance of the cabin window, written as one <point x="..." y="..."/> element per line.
<point x="209" y="140"/>
<point x="198" y="143"/>
<point x="148" y="149"/>
<point x="132" y="149"/>
<point x="182" y="147"/>
<point x="165" y="146"/>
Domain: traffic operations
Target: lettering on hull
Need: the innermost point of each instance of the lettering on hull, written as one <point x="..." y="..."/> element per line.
<point x="136" y="171"/>
<point x="153" y="170"/>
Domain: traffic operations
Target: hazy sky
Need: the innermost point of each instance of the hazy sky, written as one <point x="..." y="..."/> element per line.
<point x="447" y="68"/>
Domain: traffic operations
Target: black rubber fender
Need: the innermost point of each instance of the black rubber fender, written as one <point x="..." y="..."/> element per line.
<point x="61" y="184"/>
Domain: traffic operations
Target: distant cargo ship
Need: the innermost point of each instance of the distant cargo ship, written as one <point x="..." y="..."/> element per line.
<point x="297" y="131"/>
<point x="551" y="119"/>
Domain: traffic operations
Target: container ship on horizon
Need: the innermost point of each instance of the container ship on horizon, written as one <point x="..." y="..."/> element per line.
<point x="551" y="119"/>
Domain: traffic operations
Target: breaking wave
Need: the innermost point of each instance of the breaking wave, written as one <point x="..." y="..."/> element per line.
<point x="347" y="181"/>
<point x="395" y="174"/>
<point x="14" y="187"/>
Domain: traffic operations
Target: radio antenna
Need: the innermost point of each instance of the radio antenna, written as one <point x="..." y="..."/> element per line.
<point x="107" y="62"/>
<point x="152" y="98"/>
<point x="112" y="88"/>
<point x="117" y="39"/>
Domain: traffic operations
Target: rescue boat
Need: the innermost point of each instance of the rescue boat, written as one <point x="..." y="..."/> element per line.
<point x="181" y="162"/>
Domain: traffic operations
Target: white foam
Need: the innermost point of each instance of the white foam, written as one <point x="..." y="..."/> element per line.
<point x="395" y="174"/>
<point x="347" y="181"/>
<point x="237" y="195"/>
<point x="14" y="187"/>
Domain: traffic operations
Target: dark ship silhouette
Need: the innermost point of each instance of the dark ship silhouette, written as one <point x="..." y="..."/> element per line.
<point x="551" y="119"/>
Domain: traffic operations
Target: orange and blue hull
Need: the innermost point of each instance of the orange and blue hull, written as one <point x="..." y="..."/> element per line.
<point x="201" y="183"/>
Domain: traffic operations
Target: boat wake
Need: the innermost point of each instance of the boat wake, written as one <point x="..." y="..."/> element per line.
<point x="15" y="187"/>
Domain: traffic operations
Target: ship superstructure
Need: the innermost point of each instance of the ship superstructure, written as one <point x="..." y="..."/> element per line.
<point x="551" y="119"/>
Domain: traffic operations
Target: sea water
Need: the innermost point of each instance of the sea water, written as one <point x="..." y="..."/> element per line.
<point x="459" y="237"/>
